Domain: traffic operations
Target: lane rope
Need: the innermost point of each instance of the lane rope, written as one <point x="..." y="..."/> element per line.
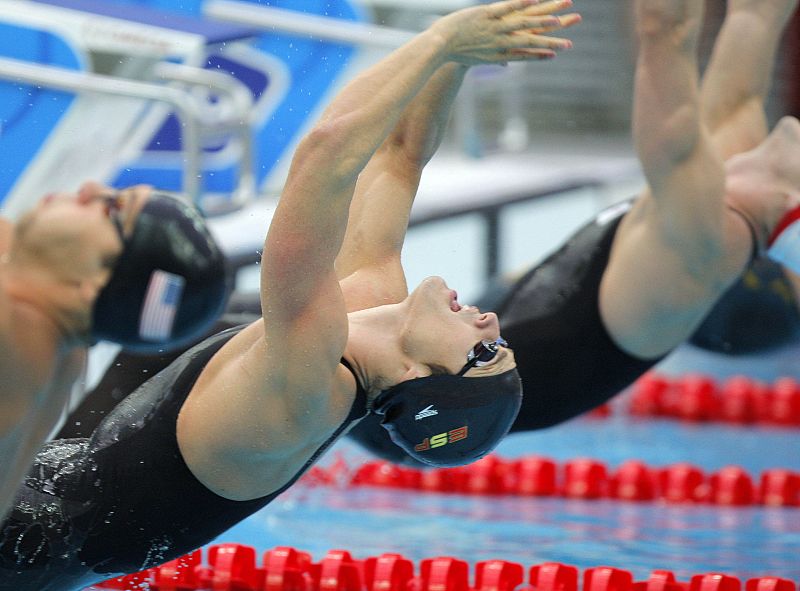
<point x="234" y="567"/>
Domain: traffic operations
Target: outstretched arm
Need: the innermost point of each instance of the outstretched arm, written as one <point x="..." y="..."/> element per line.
<point x="684" y="173"/>
<point x="679" y="247"/>
<point x="290" y="388"/>
<point x="737" y="79"/>
<point x="369" y="260"/>
<point x="300" y="287"/>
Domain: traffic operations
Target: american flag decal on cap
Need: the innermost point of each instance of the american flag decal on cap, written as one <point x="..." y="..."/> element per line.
<point x="160" y="305"/>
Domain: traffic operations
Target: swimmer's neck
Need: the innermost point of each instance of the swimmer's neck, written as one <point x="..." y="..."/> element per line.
<point x="55" y="303"/>
<point x="374" y="347"/>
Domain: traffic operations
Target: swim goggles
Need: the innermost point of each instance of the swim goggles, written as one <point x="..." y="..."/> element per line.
<point x="113" y="209"/>
<point x="482" y="353"/>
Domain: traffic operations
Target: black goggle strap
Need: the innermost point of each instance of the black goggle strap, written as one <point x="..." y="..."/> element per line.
<point x="113" y="209"/>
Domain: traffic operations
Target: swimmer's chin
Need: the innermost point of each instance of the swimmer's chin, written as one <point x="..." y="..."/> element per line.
<point x="75" y="326"/>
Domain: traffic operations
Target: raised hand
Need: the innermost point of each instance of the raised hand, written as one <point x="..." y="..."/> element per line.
<point x="512" y="30"/>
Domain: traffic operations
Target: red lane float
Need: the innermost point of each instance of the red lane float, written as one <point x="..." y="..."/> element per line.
<point x="286" y="568"/>
<point x="498" y="575"/>
<point x="682" y="483"/>
<point x="183" y="574"/>
<point x="392" y="572"/>
<point x="553" y="576"/>
<point x="660" y="580"/>
<point x="533" y="476"/>
<point x="697" y="398"/>
<point x="233" y="567"/>
<point x="633" y="481"/>
<point x="586" y="478"/>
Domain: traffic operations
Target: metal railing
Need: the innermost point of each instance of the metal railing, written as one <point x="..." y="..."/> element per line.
<point x="309" y="25"/>
<point x="185" y="106"/>
<point x="490" y="214"/>
<point x="232" y="115"/>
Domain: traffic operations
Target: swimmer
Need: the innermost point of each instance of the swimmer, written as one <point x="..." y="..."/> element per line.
<point x="568" y="361"/>
<point x="639" y="280"/>
<point x="236" y="420"/>
<point x="74" y="270"/>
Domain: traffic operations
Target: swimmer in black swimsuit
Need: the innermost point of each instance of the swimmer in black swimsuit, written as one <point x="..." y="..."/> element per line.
<point x="124" y="499"/>
<point x="236" y="420"/>
<point x="639" y="279"/>
<point x="628" y="287"/>
<point x="568" y="360"/>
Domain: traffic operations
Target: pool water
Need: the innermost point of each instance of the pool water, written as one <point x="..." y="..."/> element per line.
<point x="687" y="539"/>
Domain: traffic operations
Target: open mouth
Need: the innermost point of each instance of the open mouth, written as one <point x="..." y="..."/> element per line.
<point x="454" y="305"/>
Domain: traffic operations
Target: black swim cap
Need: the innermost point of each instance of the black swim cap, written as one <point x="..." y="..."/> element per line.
<point x="757" y="314"/>
<point x="448" y="420"/>
<point x="170" y="284"/>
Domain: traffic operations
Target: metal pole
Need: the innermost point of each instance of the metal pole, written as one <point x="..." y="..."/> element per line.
<point x="309" y="25"/>
<point x="77" y="82"/>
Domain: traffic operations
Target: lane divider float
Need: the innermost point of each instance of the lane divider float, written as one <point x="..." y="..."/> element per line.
<point x="581" y="478"/>
<point x="698" y="398"/>
<point x="234" y="567"/>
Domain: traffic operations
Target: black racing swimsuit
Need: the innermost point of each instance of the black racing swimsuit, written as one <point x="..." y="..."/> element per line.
<point x="566" y="358"/>
<point x="568" y="362"/>
<point x="123" y="500"/>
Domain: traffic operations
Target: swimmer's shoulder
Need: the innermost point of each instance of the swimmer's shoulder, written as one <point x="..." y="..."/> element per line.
<point x="243" y="361"/>
<point x="28" y="363"/>
<point x="249" y="422"/>
<point x="31" y="344"/>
